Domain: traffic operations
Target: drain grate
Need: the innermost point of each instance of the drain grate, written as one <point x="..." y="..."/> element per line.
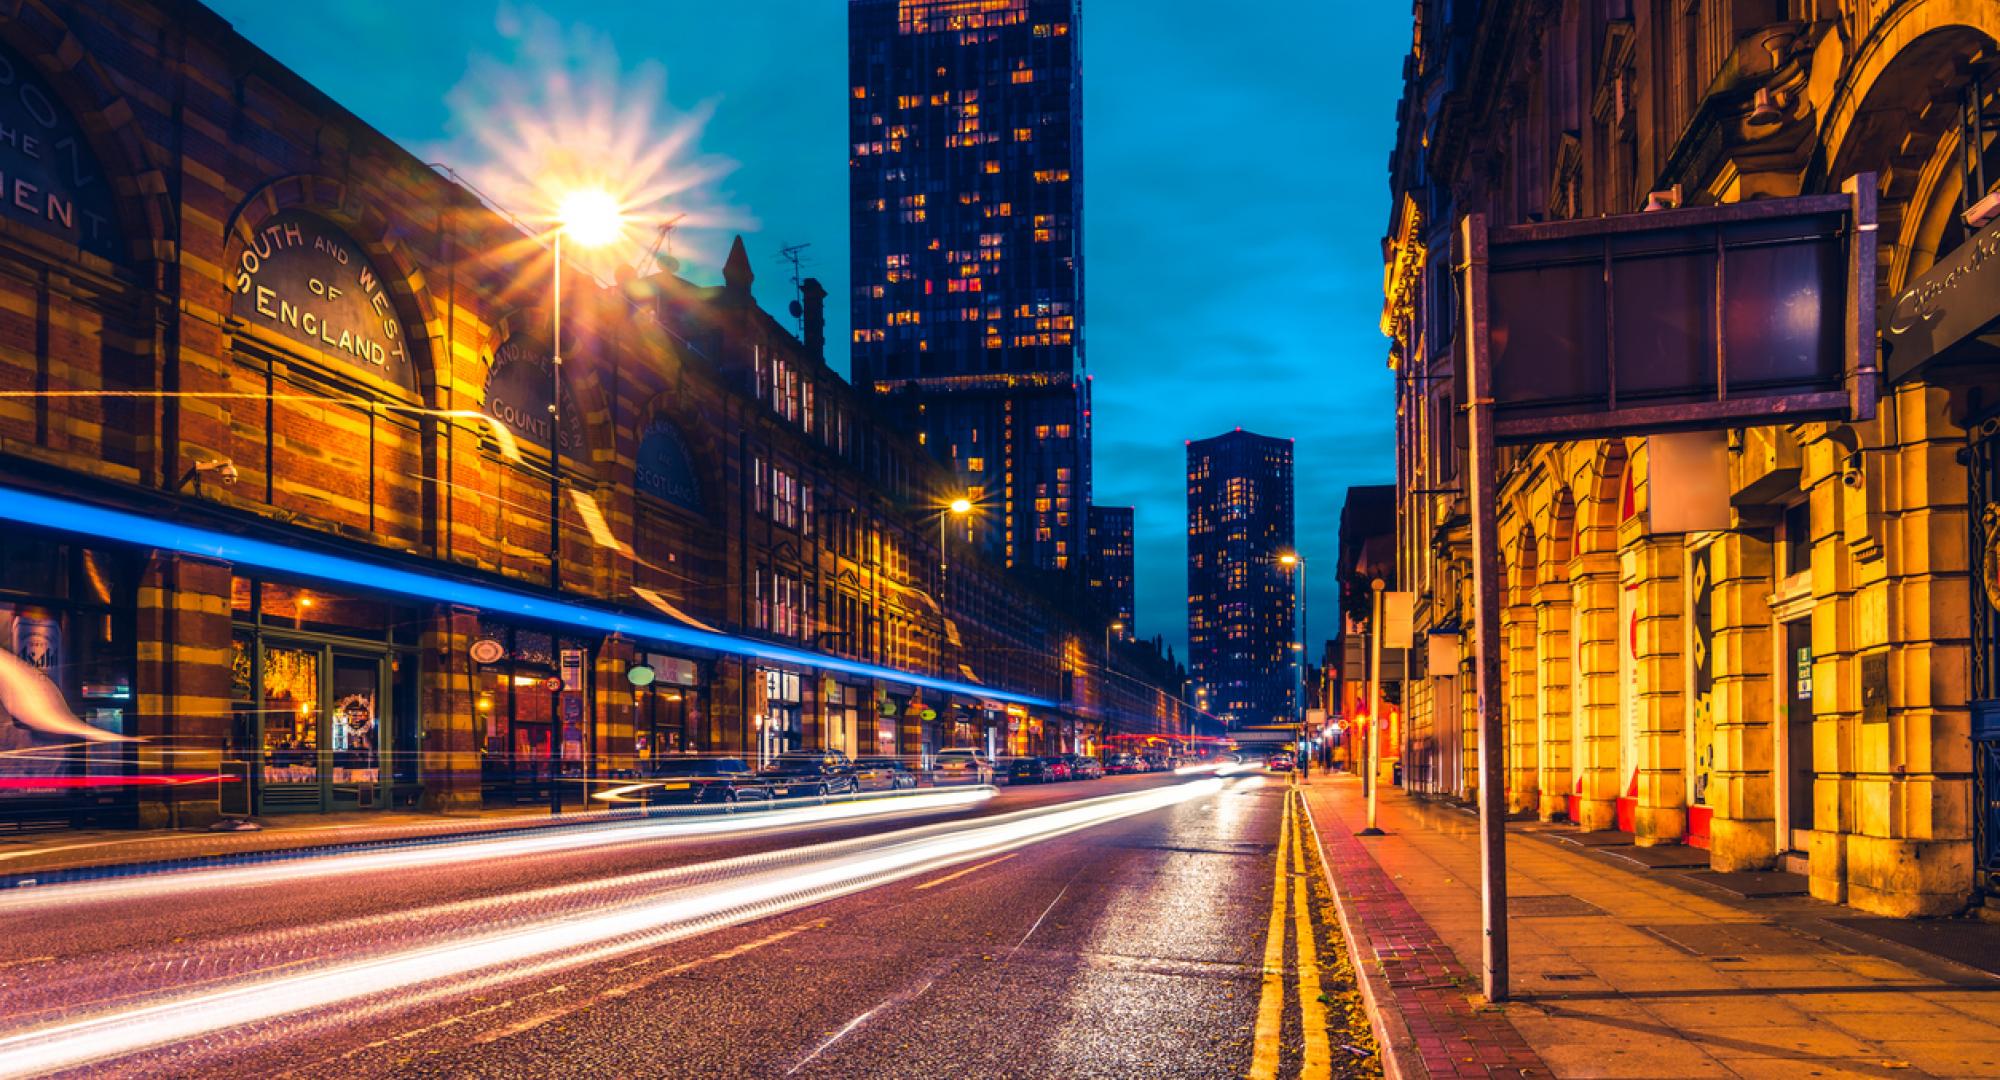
<point x="1554" y="905"/>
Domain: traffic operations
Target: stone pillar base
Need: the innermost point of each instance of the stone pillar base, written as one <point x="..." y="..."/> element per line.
<point x="1826" y="855"/>
<point x="1597" y="815"/>
<point x="1908" y="878"/>
<point x="1552" y="807"/>
<point x="1655" y="825"/>
<point x="1742" y="844"/>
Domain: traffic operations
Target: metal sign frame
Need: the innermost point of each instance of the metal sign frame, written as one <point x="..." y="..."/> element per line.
<point x="1486" y="429"/>
<point x="1665" y="246"/>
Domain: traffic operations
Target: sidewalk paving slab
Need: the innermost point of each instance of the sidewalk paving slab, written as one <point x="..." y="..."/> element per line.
<point x="1672" y="979"/>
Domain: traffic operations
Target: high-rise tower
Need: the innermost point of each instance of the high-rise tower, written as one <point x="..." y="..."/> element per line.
<point x="967" y="207"/>
<point x="1240" y="596"/>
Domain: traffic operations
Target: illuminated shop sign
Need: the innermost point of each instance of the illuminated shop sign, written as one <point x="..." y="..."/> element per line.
<point x="665" y="468"/>
<point x="49" y="180"/>
<point x="302" y="278"/>
<point x="517" y="395"/>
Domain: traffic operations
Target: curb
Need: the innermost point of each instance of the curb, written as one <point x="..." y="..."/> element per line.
<point x="1400" y="1060"/>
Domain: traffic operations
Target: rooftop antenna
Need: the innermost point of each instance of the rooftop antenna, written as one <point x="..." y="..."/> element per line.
<point x="795" y="254"/>
<point x="664" y="260"/>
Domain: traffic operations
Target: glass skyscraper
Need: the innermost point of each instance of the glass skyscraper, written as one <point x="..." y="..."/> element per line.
<point x="967" y="201"/>
<point x="1240" y="597"/>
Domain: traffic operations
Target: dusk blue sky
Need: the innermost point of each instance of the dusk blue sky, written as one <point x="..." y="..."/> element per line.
<point x="1234" y="154"/>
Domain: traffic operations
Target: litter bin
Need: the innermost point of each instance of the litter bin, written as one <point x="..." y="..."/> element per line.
<point x="1396" y="771"/>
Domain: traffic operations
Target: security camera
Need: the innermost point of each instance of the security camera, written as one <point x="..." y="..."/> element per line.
<point x="222" y="470"/>
<point x="1850" y="470"/>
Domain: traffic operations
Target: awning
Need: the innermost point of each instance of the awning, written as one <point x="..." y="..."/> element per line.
<point x="84" y="519"/>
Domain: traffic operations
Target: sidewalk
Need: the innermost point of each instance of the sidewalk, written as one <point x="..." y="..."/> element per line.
<point x="1621" y="973"/>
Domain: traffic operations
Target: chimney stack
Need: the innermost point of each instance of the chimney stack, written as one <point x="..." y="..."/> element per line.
<point x="814" y="296"/>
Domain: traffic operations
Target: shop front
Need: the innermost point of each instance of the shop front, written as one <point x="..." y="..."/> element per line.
<point x="669" y="714"/>
<point x="66" y="611"/>
<point x="532" y="697"/>
<point x="323" y="701"/>
<point x="777" y="710"/>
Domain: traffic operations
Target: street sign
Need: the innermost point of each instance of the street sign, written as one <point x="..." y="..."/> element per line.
<point x="1676" y="320"/>
<point x="552" y="684"/>
<point x="1704" y="319"/>
<point x="572" y="669"/>
<point x="1398" y="609"/>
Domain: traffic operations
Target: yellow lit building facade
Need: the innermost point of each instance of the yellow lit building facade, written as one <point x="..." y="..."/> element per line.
<point x="1800" y="690"/>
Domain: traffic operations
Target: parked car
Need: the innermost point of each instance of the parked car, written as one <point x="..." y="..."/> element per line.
<point x="705" y="780"/>
<point x="1059" y="767"/>
<point x="883" y="774"/>
<point x="1281" y="761"/>
<point x="1029" y="770"/>
<point x="961" y="766"/>
<point x="1124" y="764"/>
<point x="1085" y="767"/>
<point x="793" y="776"/>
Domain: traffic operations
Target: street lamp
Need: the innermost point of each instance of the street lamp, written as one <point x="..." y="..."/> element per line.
<point x="1116" y="627"/>
<point x="591" y="218"/>
<point x="958" y="507"/>
<point x="1293" y="560"/>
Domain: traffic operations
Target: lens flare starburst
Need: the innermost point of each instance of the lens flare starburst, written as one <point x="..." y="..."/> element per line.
<point x="562" y="133"/>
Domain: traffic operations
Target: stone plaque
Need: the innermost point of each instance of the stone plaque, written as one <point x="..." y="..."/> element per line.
<point x="665" y="469"/>
<point x="302" y="278"/>
<point x="49" y="179"/>
<point x="517" y="395"/>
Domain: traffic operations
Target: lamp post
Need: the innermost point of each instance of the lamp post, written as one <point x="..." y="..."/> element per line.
<point x="1292" y="560"/>
<point x="1116" y="627"/>
<point x="958" y="507"/>
<point x="591" y="218"/>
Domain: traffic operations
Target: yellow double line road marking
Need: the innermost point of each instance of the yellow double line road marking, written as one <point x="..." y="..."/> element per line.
<point x="1271" y="1001"/>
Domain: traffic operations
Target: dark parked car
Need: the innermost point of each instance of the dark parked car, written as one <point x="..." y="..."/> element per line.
<point x="706" y="780"/>
<point x="883" y="774"/>
<point x="1084" y="767"/>
<point x="798" y="776"/>
<point x="1122" y="764"/>
<point x="1029" y="770"/>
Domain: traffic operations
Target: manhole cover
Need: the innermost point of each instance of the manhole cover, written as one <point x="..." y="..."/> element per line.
<point x="1548" y="907"/>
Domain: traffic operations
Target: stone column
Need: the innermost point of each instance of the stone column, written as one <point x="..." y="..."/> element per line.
<point x="1594" y="589"/>
<point x="183" y="685"/>
<point x="1742" y="789"/>
<point x="612" y="712"/>
<point x="1518" y="632"/>
<point x="1661" y="817"/>
<point x="454" y="735"/>
<point x="1892" y="803"/>
<point x="1552" y="699"/>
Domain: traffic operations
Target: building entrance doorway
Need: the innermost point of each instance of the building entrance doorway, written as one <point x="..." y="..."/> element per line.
<point x="1796" y="679"/>
<point x="322" y="714"/>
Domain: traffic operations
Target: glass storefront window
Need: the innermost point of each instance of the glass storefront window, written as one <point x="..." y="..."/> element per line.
<point x="517" y="713"/>
<point x="67" y="611"/>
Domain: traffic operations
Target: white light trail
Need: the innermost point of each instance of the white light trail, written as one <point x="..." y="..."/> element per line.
<point x="431" y="855"/>
<point x="761" y="886"/>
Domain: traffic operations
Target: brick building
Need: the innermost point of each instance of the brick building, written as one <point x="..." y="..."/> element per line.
<point x="276" y="485"/>
<point x="1804" y="688"/>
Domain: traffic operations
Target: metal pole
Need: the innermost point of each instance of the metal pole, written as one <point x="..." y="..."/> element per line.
<point x="555" y="524"/>
<point x="1484" y="468"/>
<point x="555" y="425"/>
<point x="1373" y="762"/>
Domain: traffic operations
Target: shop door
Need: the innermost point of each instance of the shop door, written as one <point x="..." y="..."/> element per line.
<point x="1982" y="468"/>
<point x="1798" y="731"/>
<point x="351" y="738"/>
<point x="323" y="716"/>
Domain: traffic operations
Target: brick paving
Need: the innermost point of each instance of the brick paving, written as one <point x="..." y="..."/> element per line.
<point x="1621" y="973"/>
<point x="1451" y="1028"/>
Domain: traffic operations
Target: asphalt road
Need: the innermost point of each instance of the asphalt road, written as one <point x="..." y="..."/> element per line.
<point x="1100" y="928"/>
